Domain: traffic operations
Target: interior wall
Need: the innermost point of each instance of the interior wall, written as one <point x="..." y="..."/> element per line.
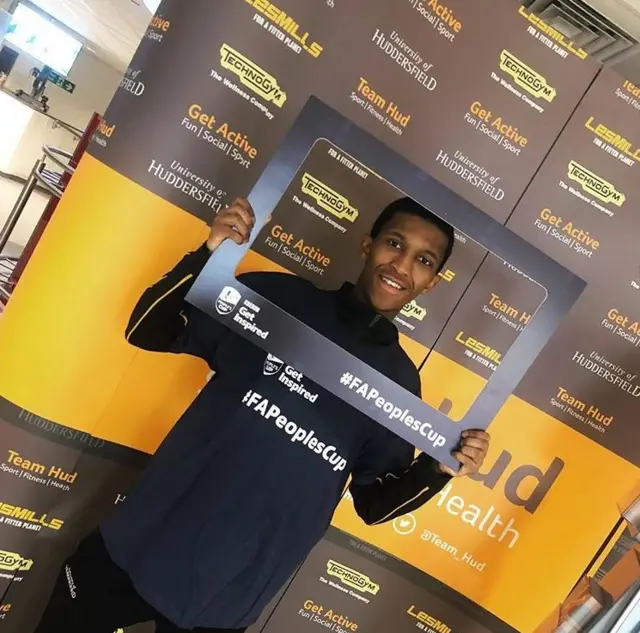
<point x="95" y="83"/>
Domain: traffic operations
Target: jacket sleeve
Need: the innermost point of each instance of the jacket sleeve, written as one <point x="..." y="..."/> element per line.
<point x="388" y="482"/>
<point x="162" y="321"/>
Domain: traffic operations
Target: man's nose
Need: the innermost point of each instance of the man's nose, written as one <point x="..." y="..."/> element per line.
<point x="403" y="264"/>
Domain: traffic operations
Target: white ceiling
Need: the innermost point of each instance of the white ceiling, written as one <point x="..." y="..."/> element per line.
<point x="113" y="28"/>
<point x="626" y="15"/>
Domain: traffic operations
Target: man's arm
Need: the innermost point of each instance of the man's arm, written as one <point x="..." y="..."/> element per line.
<point x="406" y="484"/>
<point x="162" y="320"/>
<point x="162" y="315"/>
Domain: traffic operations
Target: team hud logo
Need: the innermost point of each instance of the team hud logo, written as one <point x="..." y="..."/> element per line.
<point x="227" y="300"/>
<point x="103" y="133"/>
<point x="328" y="199"/>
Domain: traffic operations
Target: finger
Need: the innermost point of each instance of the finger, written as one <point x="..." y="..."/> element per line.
<point x="247" y="218"/>
<point x="242" y="202"/>
<point x="482" y="435"/>
<point x="229" y="233"/>
<point x="467" y="465"/>
<point x="236" y="222"/>
<point x="245" y="206"/>
<point x="475" y="442"/>
<point x="476" y="454"/>
<point x="246" y="211"/>
<point x="238" y="210"/>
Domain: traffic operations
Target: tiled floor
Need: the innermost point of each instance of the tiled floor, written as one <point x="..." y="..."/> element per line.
<point x="9" y="192"/>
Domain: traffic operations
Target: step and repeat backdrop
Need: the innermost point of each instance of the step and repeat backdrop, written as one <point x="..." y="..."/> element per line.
<point x="491" y="101"/>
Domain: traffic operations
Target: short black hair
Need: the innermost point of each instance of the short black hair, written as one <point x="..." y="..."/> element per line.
<point x="408" y="205"/>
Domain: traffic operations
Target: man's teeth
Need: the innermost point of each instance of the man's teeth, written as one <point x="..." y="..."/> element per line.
<point x="391" y="283"/>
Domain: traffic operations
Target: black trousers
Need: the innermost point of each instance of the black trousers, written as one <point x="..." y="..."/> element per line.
<point x="93" y="595"/>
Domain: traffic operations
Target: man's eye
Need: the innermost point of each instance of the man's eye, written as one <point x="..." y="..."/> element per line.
<point x="425" y="261"/>
<point x="394" y="243"/>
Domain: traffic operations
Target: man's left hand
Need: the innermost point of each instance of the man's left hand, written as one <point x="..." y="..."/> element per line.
<point x="470" y="453"/>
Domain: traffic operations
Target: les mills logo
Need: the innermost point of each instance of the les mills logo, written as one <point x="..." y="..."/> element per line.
<point x="592" y="183"/>
<point x="27" y="519"/>
<point x="329" y="199"/>
<point x="252" y="76"/>
<point x="525" y="77"/>
<point x="427" y="620"/>
<point x="352" y="578"/>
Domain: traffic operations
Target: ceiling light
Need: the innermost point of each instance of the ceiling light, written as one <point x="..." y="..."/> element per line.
<point x="152" y="5"/>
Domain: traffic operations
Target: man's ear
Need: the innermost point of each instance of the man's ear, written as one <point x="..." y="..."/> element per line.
<point x="432" y="284"/>
<point x="365" y="246"/>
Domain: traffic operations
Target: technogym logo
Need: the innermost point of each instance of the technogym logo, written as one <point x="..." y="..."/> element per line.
<point x="10" y="561"/>
<point x="592" y="183"/>
<point x="252" y="76"/>
<point x="352" y="578"/>
<point x="329" y="199"/>
<point x="525" y="77"/>
<point x="413" y="310"/>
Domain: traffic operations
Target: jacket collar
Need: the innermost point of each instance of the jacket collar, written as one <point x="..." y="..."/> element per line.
<point x="362" y="319"/>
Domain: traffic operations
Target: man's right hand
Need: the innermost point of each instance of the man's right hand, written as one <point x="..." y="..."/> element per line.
<point x="233" y="223"/>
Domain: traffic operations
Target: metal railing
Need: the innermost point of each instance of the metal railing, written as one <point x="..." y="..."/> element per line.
<point x="49" y="180"/>
<point x="7" y="264"/>
<point x="74" y="131"/>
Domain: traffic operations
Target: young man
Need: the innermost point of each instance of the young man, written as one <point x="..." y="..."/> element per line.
<point x="235" y="498"/>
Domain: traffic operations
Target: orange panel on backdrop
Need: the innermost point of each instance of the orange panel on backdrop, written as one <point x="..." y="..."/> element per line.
<point x="548" y="494"/>
<point x="442" y="379"/>
<point x="107" y="239"/>
<point x="124" y="262"/>
<point x="101" y="257"/>
<point x="142" y="421"/>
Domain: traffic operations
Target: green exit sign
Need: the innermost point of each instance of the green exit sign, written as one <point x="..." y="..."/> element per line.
<point x="60" y="81"/>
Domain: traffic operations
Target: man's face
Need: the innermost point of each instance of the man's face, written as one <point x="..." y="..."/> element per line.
<point x="401" y="263"/>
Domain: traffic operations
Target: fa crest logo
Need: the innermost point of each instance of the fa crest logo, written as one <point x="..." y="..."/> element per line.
<point x="227" y="300"/>
<point x="272" y="365"/>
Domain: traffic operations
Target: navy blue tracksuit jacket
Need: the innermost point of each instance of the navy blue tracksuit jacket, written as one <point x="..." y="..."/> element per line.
<point x="229" y="505"/>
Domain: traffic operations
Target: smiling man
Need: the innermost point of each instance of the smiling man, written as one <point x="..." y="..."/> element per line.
<point x="247" y="481"/>
<point x="404" y="252"/>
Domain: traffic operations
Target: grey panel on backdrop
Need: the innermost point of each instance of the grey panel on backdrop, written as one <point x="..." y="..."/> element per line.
<point x="324" y="362"/>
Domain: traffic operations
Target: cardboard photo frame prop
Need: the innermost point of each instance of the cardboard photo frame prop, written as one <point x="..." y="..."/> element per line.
<point x="220" y="294"/>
